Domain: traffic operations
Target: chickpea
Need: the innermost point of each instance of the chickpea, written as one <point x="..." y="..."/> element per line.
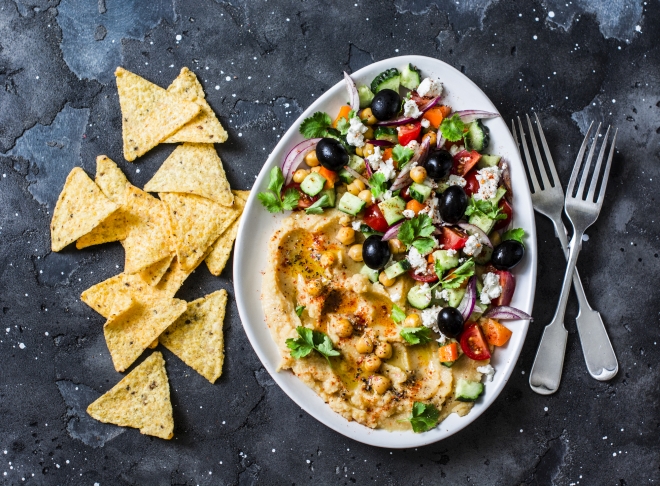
<point x="383" y="350"/>
<point x="413" y="320"/>
<point x="369" y="134"/>
<point x="315" y="288"/>
<point x="380" y="384"/>
<point x="346" y="235"/>
<point x="328" y="259"/>
<point x="366" y="196"/>
<point x="396" y="246"/>
<point x="364" y="345"/>
<point x="495" y="238"/>
<point x="343" y="328"/>
<point x="353" y="189"/>
<point x="367" y="116"/>
<point x="371" y="363"/>
<point x="311" y="159"/>
<point x="359" y="151"/>
<point x="385" y="280"/>
<point x="433" y="140"/>
<point x="355" y="252"/>
<point x="345" y="220"/>
<point x="299" y="175"/>
<point x="367" y="150"/>
<point x="359" y="184"/>
<point x="316" y="169"/>
<point x="418" y="174"/>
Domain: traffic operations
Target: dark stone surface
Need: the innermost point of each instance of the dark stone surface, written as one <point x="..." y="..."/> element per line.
<point x="570" y="63"/>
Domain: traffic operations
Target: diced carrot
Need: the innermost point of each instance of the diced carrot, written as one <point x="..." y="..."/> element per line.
<point x="387" y="153"/>
<point x="434" y="116"/>
<point x="446" y="110"/>
<point x="415" y="205"/>
<point x="343" y="113"/>
<point x="496" y="333"/>
<point x="448" y="352"/>
<point x="330" y="177"/>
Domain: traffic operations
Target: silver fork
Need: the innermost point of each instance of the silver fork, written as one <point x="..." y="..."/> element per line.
<point x="582" y="210"/>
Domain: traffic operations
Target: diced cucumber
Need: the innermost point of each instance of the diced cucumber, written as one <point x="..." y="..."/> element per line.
<point x="366" y="95"/>
<point x="482" y="221"/>
<point x="455" y="297"/>
<point x="410" y="77"/>
<point x="371" y="274"/>
<point x="419" y="192"/>
<point x="397" y="268"/>
<point x="477" y="136"/>
<point x="442" y="187"/>
<point x="419" y="299"/>
<point x="488" y="161"/>
<point x="312" y="184"/>
<point x="484" y="255"/>
<point x="386" y="133"/>
<point x="448" y="364"/>
<point x="499" y="194"/>
<point x="332" y="197"/>
<point x="390" y="79"/>
<point x="443" y="259"/>
<point x="392" y="209"/>
<point x="468" y="391"/>
<point x="356" y="163"/>
<point x="350" y="204"/>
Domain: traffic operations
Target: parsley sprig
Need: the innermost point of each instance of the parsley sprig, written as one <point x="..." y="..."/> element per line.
<point x="514" y="234"/>
<point x="402" y="155"/>
<point x="485" y="208"/>
<point x="417" y="232"/>
<point x="271" y="198"/>
<point x="424" y="417"/>
<point x="398" y="314"/>
<point x="316" y="125"/>
<point x="416" y="335"/>
<point x="457" y="277"/>
<point x="317" y="207"/>
<point x="309" y="341"/>
<point x="378" y="184"/>
<point x="452" y="128"/>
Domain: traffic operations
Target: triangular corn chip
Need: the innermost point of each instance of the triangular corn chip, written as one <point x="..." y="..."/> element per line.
<point x="221" y="249"/>
<point x="196" y="336"/>
<point x="193" y="168"/>
<point x="205" y="127"/>
<point x="149" y="113"/>
<point x="148" y="240"/>
<point x="140" y="400"/>
<point x="173" y="279"/>
<point x="113" y="228"/>
<point x="80" y="208"/>
<point x="111" y="179"/>
<point x="129" y="333"/>
<point x="196" y="222"/>
<point x="153" y="273"/>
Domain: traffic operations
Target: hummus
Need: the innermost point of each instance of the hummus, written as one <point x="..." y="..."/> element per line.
<point x="309" y="267"/>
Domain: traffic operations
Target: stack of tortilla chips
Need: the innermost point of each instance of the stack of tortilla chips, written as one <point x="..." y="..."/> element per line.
<point x="194" y="218"/>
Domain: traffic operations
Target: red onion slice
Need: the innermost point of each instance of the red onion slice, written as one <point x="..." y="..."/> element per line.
<point x="421" y="153"/>
<point x="408" y="119"/>
<point x="370" y="172"/>
<point x="475" y="230"/>
<point x="507" y="312"/>
<point x="469" y="299"/>
<point x="295" y="157"/>
<point x="357" y="175"/>
<point x="403" y="179"/>
<point x="468" y="116"/>
<point x="380" y="143"/>
<point x="392" y="232"/>
<point x="353" y="96"/>
<point x="441" y="140"/>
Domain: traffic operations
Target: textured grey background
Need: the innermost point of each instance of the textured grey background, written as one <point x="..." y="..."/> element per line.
<point x="261" y="62"/>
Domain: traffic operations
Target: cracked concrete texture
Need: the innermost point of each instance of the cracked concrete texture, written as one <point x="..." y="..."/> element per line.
<point x="279" y="57"/>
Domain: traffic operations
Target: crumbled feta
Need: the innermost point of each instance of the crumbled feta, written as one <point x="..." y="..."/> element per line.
<point x="387" y="169"/>
<point x="455" y="180"/>
<point x="451" y="252"/>
<point x="491" y="289"/>
<point x="395" y="296"/>
<point x="417" y="261"/>
<point x="356" y="225"/>
<point x="454" y="149"/>
<point x="487" y="370"/>
<point x="386" y="195"/>
<point x="425" y="123"/>
<point x="430" y="316"/>
<point x="425" y="289"/>
<point x="414" y="145"/>
<point x="442" y="294"/>
<point x="409" y="213"/>
<point x="355" y="135"/>
<point x="489" y="179"/>
<point x="473" y="246"/>
<point x="375" y="159"/>
<point x="411" y="110"/>
<point x="429" y="87"/>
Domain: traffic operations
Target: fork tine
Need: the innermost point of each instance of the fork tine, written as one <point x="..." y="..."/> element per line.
<point x="548" y="155"/>
<point x="528" y="159"/>
<point x="606" y="174"/>
<point x="539" y="160"/>
<point x="514" y="132"/>
<point x="585" y="173"/>
<point x="578" y="163"/>
<point x="599" y="163"/>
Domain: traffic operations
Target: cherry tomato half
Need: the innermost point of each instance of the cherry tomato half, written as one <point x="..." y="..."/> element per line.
<point x="453" y="238"/>
<point x="464" y="161"/>
<point x="471" y="183"/>
<point x="409" y="132"/>
<point x="405" y="194"/>
<point x="304" y="201"/>
<point x="429" y="276"/>
<point x="473" y="342"/>
<point x="373" y="217"/>
<point x="506" y="209"/>
<point x="508" y="284"/>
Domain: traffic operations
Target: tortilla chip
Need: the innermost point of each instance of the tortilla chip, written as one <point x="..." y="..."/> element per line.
<point x="221" y="249"/>
<point x="140" y="400"/>
<point x="193" y="168"/>
<point x="153" y="273"/>
<point x="175" y="276"/>
<point x="111" y="179"/>
<point x="102" y="296"/>
<point x="196" y="336"/>
<point x="80" y="208"/>
<point x="196" y="222"/>
<point x="149" y="113"/>
<point x="129" y="333"/>
<point x="154" y="344"/>
<point x="122" y="303"/>
<point x="148" y="240"/>
<point x="205" y="127"/>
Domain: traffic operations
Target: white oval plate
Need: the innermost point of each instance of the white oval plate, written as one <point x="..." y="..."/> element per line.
<point x="257" y="226"/>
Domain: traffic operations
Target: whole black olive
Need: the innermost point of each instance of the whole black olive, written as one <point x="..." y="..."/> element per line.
<point x="507" y="254"/>
<point x="331" y="154"/>
<point x="386" y="104"/>
<point x="438" y="164"/>
<point x="375" y="252"/>
<point x="453" y="203"/>
<point x="450" y="321"/>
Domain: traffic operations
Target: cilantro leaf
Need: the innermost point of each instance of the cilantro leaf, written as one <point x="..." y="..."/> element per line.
<point x="368" y="231"/>
<point x="424" y="417"/>
<point x="378" y="184"/>
<point x="343" y="125"/>
<point x="317" y="207"/>
<point x="421" y="226"/>
<point x="299" y="310"/>
<point x="316" y="125"/>
<point x="311" y="340"/>
<point x="271" y="198"/>
<point x="290" y="201"/>
<point x="486" y="208"/>
<point x="416" y="335"/>
<point x="514" y="234"/>
<point x="270" y="201"/>
<point x="402" y="155"/>
<point x="276" y="180"/>
<point x="424" y="244"/>
<point x="452" y="128"/>
<point x="398" y="313"/>
<point x="457" y="277"/>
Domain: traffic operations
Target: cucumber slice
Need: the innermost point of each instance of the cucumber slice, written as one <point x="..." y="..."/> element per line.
<point x="392" y="209"/>
<point x="448" y="364"/>
<point x="482" y="221"/>
<point x="410" y="77"/>
<point x="446" y="261"/>
<point x="468" y="391"/>
<point x="386" y="133"/>
<point x="397" y="269"/>
<point x="488" y="161"/>
<point x="366" y="95"/>
<point x="332" y="197"/>
<point x="390" y="79"/>
<point x="312" y="184"/>
<point x="499" y="194"/>
<point x="455" y="297"/>
<point x="418" y="298"/>
<point x="356" y="163"/>
<point x="477" y="137"/>
<point x="350" y="204"/>
<point x="419" y="192"/>
<point x="484" y="255"/>
<point x="371" y="274"/>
